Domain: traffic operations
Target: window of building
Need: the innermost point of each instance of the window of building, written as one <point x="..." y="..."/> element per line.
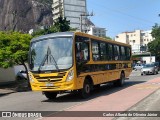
<point x="117" y="36"/>
<point x="134" y="41"/>
<point x="95" y="31"/>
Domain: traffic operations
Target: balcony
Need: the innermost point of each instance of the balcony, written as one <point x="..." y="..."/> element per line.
<point x="56" y="4"/>
<point x="56" y="11"/>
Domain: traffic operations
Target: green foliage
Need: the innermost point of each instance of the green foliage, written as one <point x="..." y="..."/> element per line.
<point x="14" y="48"/>
<point x="154" y="46"/>
<point x="156" y="32"/>
<point x="48" y="30"/>
<point x="107" y="37"/>
<point x="61" y="25"/>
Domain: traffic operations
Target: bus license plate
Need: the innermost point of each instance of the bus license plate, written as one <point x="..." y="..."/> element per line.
<point x="49" y="84"/>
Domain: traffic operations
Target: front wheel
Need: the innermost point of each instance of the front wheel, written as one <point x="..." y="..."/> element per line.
<point x="50" y="95"/>
<point x="120" y="82"/>
<point x="155" y="73"/>
<point x="86" y="90"/>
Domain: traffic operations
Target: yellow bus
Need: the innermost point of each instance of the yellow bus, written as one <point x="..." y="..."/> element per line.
<point x="75" y="61"/>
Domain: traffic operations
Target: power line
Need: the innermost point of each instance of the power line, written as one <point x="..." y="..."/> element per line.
<point x="120" y="12"/>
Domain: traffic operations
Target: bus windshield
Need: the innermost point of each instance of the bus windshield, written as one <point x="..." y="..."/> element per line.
<point x="51" y="54"/>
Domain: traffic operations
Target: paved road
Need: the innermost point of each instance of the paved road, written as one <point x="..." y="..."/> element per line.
<point x="35" y="101"/>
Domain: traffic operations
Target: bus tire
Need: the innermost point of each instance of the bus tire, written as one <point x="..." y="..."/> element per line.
<point x="50" y="95"/>
<point x="120" y="82"/>
<point x="86" y="90"/>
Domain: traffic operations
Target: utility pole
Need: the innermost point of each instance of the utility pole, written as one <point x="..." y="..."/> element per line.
<point x="82" y="15"/>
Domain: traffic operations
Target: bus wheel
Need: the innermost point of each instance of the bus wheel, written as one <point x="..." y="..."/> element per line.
<point x="120" y="82"/>
<point x="50" y="95"/>
<point x="86" y="90"/>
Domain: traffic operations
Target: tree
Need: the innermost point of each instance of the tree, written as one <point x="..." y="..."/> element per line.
<point x="154" y="46"/>
<point x="14" y="49"/>
<point x="107" y="37"/>
<point x="61" y="25"/>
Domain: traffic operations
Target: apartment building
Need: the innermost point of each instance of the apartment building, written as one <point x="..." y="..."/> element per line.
<point x="138" y="39"/>
<point x="71" y="9"/>
<point x="97" y="31"/>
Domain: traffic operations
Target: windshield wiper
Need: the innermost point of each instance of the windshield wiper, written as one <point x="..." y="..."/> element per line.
<point x="46" y="58"/>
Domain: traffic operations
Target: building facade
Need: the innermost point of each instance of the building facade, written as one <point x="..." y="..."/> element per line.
<point x="138" y="39"/>
<point x="72" y="10"/>
<point x="97" y="31"/>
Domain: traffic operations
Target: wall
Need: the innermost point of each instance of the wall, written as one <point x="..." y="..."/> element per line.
<point x="9" y="75"/>
<point x="148" y="59"/>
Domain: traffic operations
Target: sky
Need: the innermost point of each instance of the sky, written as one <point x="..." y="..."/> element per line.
<point x="119" y="16"/>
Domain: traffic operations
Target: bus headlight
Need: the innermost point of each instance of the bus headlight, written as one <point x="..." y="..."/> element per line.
<point x="70" y="75"/>
<point x="30" y="78"/>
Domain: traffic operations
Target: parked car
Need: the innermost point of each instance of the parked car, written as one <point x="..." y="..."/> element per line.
<point x="149" y="69"/>
<point x="21" y="75"/>
<point x="138" y="66"/>
<point x="157" y="64"/>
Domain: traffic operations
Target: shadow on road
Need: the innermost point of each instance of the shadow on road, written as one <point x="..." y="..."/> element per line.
<point x="104" y="90"/>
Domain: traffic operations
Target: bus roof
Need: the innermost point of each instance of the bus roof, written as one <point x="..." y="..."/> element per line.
<point x="58" y="34"/>
<point x="69" y="34"/>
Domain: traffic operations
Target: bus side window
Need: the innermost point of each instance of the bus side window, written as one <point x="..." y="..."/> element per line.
<point x="128" y="53"/>
<point x="82" y="49"/>
<point x="123" y="56"/>
<point x="95" y="51"/>
<point x="103" y="51"/>
<point x="110" y="52"/>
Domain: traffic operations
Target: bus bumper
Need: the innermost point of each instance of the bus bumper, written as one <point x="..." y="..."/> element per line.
<point x="52" y="86"/>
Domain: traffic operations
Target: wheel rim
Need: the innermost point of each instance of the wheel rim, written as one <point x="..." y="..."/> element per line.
<point x="87" y="88"/>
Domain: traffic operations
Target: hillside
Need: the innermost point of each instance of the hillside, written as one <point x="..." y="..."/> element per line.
<point x="23" y="15"/>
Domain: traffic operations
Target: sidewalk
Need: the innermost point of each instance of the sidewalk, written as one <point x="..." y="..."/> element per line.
<point x="6" y="91"/>
<point x="118" y="101"/>
<point x="19" y="86"/>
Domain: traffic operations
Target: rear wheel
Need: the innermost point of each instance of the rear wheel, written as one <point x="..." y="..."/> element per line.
<point x="157" y="71"/>
<point x="50" y="95"/>
<point x="86" y="90"/>
<point x="120" y="82"/>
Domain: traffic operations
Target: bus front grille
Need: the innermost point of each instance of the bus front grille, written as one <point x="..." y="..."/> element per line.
<point x="46" y="78"/>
